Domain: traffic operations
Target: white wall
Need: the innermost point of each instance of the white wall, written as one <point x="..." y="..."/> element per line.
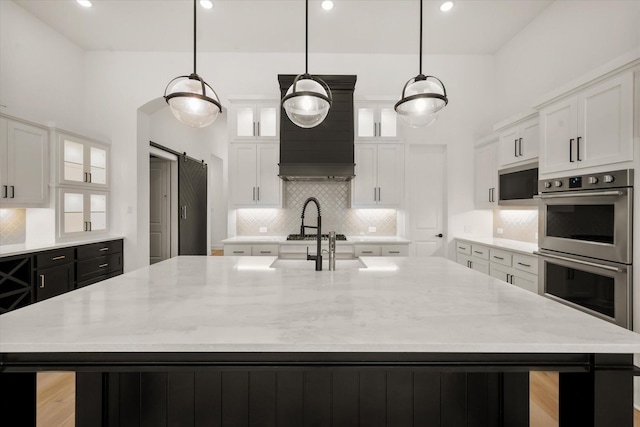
<point x="41" y="72"/>
<point x="567" y="39"/>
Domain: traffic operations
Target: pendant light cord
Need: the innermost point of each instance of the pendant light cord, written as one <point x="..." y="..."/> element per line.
<point x="420" y="36"/>
<point x="194" y="36"/>
<point x="306" y="37"/>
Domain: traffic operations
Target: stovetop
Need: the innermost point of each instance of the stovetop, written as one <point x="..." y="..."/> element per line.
<point x="314" y="236"/>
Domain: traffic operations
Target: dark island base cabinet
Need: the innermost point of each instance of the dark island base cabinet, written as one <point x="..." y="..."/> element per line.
<point x="54" y="274"/>
<point x="16" y="283"/>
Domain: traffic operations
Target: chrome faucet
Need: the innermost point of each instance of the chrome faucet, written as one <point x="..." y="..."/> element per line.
<point x="318" y="256"/>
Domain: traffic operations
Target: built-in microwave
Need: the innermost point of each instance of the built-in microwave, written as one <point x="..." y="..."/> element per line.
<point x="518" y="185"/>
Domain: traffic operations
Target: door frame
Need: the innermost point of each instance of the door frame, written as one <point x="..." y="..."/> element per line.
<point x="161" y="152"/>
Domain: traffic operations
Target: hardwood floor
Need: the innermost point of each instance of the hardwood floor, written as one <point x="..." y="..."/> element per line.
<point x="217" y="252"/>
<point x="56" y="400"/>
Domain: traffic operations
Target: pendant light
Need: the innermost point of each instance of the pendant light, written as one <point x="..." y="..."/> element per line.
<point x="422" y="96"/>
<point x="308" y="100"/>
<point x="191" y="99"/>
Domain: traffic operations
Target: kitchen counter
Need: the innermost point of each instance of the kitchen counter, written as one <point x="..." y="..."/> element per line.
<point x="11" y="250"/>
<point x="213" y="304"/>
<point x="525" y="248"/>
<point x="248" y="341"/>
<point x="283" y="240"/>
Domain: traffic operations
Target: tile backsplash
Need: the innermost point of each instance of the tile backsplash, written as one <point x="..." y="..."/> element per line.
<point x="334" y="207"/>
<point x="13" y="226"/>
<point x="516" y="224"/>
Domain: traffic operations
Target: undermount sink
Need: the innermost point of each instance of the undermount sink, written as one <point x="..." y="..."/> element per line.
<point x="301" y="264"/>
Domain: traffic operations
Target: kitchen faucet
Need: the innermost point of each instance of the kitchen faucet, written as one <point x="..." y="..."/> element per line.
<point x="318" y="256"/>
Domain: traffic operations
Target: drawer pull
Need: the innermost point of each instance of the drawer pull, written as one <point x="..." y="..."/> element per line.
<point x="524" y="265"/>
<point x="500" y="258"/>
<point x="42" y="281"/>
<point x="103" y="265"/>
<point x="461" y="247"/>
<point x="238" y="252"/>
<point x="104" y="249"/>
<point x="367" y="252"/>
<point x="265" y="252"/>
<point x="394" y="252"/>
<point x="478" y="252"/>
<point x="56" y="258"/>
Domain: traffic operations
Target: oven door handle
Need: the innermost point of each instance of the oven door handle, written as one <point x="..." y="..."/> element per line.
<point x="579" y="261"/>
<point x="577" y="194"/>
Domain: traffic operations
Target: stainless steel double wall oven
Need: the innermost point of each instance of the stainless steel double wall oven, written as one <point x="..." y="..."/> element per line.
<point x="585" y="240"/>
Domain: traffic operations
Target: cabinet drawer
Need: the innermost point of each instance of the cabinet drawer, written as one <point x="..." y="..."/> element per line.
<point x="99" y="266"/>
<point x="237" y="250"/>
<point x="463" y="248"/>
<point x="500" y="257"/>
<point x="395" y="250"/>
<point x="97" y="279"/>
<point x="526" y="263"/>
<point x="53" y="258"/>
<point x="367" y="250"/>
<point x="264" y="250"/>
<point x="99" y="249"/>
<point x="481" y="252"/>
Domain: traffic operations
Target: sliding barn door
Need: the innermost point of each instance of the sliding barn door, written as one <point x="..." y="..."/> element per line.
<point x="192" y="196"/>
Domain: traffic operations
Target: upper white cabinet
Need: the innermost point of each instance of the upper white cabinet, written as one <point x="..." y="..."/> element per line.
<point x="24" y="164"/>
<point x="519" y="142"/>
<point x="486" y="176"/>
<point x="82" y="212"/>
<point x="81" y="161"/>
<point x="592" y="128"/>
<point x="254" y="120"/>
<point x="375" y="121"/>
<point x="379" y="179"/>
<point x="253" y="175"/>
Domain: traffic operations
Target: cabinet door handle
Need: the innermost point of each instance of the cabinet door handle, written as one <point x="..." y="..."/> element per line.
<point x="86" y="227"/>
<point x="375" y="194"/>
<point x="4" y="191"/>
<point x="42" y="281"/>
<point x="254" y="194"/>
<point x="90" y="178"/>
<point x="520" y="146"/>
<point x="379" y="195"/>
<point x="265" y="252"/>
<point x="515" y="147"/>
<point x="103" y="265"/>
<point x="478" y="252"/>
<point x="86" y="177"/>
<point x="258" y="193"/>
<point x="90" y="226"/>
<point x="258" y="133"/>
<point x="367" y="252"/>
<point x="13" y="191"/>
<point x="524" y="265"/>
<point x="104" y="249"/>
<point x="254" y="128"/>
<point x="578" y="149"/>
<point x="571" y="150"/>
<point x="497" y="257"/>
<point x="56" y="258"/>
<point x="394" y="252"/>
<point x="238" y="252"/>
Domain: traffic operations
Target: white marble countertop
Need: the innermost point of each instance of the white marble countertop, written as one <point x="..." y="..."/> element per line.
<point x="512" y="245"/>
<point x="25" y="248"/>
<point x="283" y="239"/>
<point x="227" y="304"/>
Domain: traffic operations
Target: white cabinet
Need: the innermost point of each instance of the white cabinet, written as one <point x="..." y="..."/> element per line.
<point x="251" y="249"/>
<point x="82" y="212"/>
<point x="253" y="175"/>
<point x="516" y="269"/>
<point x="254" y="120"/>
<point x="592" y="128"/>
<point x="519" y="143"/>
<point x="473" y="256"/>
<point x="381" y="250"/>
<point x="24" y="164"/>
<point x="375" y="121"/>
<point x="486" y="176"/>
<point x="379" y="179"/>
<point x="81" y="162"/>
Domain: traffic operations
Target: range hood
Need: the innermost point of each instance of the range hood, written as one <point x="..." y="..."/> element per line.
<point x="325" y="152"/>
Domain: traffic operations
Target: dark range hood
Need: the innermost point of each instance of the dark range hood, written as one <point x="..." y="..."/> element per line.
<point x="323" y="153"/>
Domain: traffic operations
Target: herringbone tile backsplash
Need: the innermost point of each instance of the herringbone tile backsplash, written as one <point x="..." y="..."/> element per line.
<point x="13" y="226"/>
<point x="335" y="212"/>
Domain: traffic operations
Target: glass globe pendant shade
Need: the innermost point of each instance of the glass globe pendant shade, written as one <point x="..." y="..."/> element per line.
<point x="192" y="101"/>
<point x="421" y="101"/>
<point x="307" y="102"/>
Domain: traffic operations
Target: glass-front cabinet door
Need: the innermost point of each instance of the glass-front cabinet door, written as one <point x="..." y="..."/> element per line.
<point x="81" y="212"/>
<point x="82" y="162"/>
<point x="254" y="120"/>
<point x="375" y="121"/>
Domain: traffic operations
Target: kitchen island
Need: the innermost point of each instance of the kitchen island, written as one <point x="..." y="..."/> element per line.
<point x="379" y="341"/>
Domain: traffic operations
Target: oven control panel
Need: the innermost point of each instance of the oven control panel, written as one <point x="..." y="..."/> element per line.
<point x="615" y="179"/>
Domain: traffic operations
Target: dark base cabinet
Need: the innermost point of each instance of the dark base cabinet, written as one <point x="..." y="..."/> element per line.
<point x="29" y="278"/>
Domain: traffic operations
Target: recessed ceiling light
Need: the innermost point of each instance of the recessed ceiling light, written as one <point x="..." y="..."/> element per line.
<point x="327" y="5"/>
<point x="84" y="3"/>
<point x="207" y="4"/>
<point x="446" y="6"/>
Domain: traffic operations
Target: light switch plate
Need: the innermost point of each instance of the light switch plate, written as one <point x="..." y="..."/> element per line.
<point x="263" y="229"/>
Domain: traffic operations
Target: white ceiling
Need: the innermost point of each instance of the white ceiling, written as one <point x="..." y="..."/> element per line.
<point x="355" y="26"/>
